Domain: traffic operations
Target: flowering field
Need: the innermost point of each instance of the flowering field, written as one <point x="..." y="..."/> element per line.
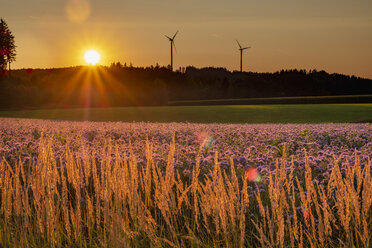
<point x="85" y="184"/>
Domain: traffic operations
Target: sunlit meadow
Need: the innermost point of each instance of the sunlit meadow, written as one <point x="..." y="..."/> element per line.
<point x="84" y="184"/>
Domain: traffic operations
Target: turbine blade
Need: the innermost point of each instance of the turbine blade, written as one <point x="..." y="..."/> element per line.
<point x="239" y="44"/>
<point x="168" y="37"/>
<point x="174" y="45"/>
<point x="174" y="36"/>
<point x="246" y="48"/>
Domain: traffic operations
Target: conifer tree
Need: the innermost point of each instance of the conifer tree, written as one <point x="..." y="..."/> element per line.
<point x="7" y="45"/>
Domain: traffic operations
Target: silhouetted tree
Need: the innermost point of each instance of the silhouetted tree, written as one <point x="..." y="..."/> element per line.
<point x="7" y="45"/>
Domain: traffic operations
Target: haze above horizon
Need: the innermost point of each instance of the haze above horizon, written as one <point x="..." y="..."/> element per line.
<point x="325" y="35"/>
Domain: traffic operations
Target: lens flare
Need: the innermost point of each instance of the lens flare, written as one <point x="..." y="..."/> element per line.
<point x="252" y="175"/>
<point x="205" y="140"/>
<point x="92" y="57"/>
<point x="4" y="51"/>
<point x="78" y="11"/>
<point x="307" y="214"/>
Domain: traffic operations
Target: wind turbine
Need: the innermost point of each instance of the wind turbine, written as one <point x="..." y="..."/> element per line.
<point x="241" y="55"/>
<point x="172" y="44"/>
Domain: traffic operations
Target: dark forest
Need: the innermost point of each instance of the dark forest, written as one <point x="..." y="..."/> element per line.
<point x="122" y="85"/>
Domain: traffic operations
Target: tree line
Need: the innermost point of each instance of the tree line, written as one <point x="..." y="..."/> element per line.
<point x="123" y="85"/>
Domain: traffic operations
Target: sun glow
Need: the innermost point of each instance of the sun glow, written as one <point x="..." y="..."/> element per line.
<point x="92" y="57"/>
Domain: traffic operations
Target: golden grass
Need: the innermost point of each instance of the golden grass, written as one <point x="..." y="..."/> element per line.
<point x="114" y="203"/>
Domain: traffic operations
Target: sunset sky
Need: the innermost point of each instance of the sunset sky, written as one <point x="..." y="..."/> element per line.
<point x="334" y="35"/>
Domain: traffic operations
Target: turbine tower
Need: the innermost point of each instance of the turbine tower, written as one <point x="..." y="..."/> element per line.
<point x="172" y="44"/>
<point x="241" y="55"/>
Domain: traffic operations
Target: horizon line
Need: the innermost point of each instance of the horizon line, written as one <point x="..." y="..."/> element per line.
<point x="184" y="67"/>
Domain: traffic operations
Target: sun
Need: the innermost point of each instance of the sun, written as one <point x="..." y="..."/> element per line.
<point x="92" y="57"/>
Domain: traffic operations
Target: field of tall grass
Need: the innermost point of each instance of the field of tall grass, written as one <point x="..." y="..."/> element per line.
<point x="71" y="184"/>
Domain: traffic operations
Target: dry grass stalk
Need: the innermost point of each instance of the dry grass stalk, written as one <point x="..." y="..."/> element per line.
<point x="81" y="201"/>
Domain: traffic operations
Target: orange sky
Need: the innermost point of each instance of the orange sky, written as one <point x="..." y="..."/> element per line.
<point x="334" y="35"/>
